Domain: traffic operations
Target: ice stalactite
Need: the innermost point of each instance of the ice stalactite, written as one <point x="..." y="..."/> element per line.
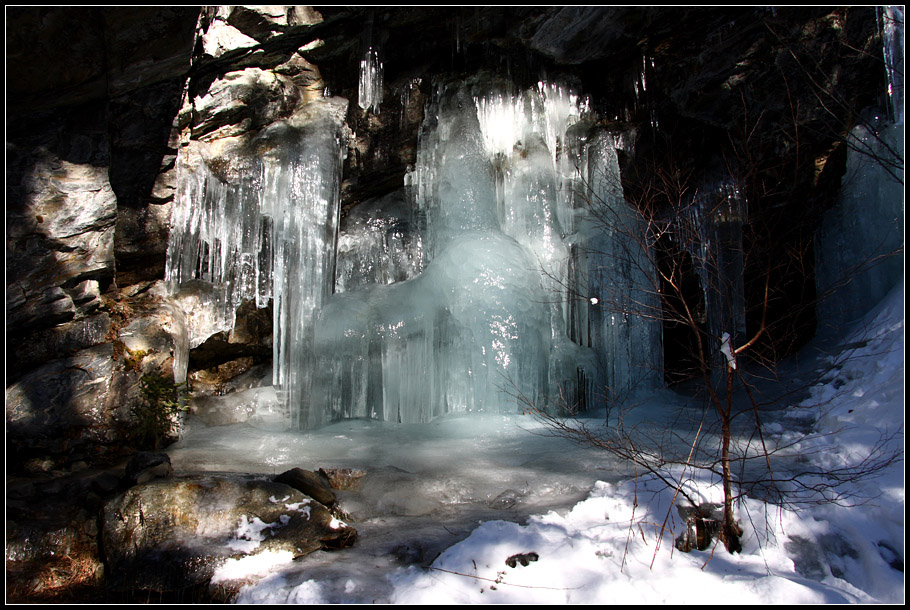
<point x="708" y="230"/>
<point x="891" y="26"/>
<point x="717" y="214"/>
<point x="640" y="88"/>
<point x="369" y="95"/>
<point x="218" y="243"/>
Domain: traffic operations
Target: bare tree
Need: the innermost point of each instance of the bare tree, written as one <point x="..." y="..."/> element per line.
<point x="688" y="249"/>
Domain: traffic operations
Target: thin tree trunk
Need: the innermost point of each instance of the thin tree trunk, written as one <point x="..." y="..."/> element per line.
<point x="731" y="530"/>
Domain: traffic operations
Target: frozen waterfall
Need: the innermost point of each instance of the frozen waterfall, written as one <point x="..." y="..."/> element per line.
<point x="264" y="229"/>
<point x="485" y="278"/>
<point x="711" y="227"/>
<point x="859" y="246"/>
<point x="891" y="25"/>
<point x="623" y="322"/>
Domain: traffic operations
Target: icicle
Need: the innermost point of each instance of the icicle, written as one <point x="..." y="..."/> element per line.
<point x="891" y="25"/>
<point x="220" y="237"/>
<point x="404" y="102"/>
<point x="370" y="83"/>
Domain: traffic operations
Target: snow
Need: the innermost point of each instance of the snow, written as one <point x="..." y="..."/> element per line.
<point x="249" y="534"/>
<point x="445" y="504"/>
<point x="251" y="566"/>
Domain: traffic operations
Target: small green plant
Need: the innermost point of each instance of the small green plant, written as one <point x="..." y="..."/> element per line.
<point x="158" y="411"/>
<point x="132" y="360"/>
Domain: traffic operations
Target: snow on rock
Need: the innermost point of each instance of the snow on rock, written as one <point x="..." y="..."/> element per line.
<point x="171" y="533"/>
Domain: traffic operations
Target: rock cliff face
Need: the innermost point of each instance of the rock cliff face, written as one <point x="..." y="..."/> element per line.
<point x="91" y="97"/>
<point x="101" y="99"/>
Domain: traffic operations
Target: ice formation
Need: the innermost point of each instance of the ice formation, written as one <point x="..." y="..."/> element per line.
<point x="891" y="25"/>
<point x="265" y="231"/>
<point x="859" y="246"/>
<point x="379" y="243"/>
<point x="488" y="277"/>
<point x="623" y="326"/>
<point x="370" y="84"/>
<point x="496" y="297"/>
<point x="712" y="228"/>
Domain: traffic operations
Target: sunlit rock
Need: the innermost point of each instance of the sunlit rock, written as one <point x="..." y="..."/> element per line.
<point x="168" y="534"/>
<point x="221" y="37"/>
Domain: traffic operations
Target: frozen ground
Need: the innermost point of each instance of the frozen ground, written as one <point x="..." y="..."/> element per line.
<point x="445" y="504"/>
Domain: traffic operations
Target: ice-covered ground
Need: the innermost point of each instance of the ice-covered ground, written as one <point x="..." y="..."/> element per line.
<point x="445" y="504"/>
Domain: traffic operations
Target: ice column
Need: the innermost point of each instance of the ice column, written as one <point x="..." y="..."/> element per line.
<point x="623" y="321"/>
<point x="716" y="215"/>
<point x="859" y="246"/>
<point x="525" y="138"/>
<point x="473" y="326"/>
<point x="489" y="281"/>
<point x="301" y="192"/>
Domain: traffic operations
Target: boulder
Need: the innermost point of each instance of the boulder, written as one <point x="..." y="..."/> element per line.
<point x="60" y="222"/>
<point x="169" y="534"/>
<point x="243" y="101"/>
<point x="55" y="342"/>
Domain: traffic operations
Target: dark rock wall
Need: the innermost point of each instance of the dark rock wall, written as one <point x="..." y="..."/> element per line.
<point x="99" y="99"/>
<point x="91" y="95"/>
